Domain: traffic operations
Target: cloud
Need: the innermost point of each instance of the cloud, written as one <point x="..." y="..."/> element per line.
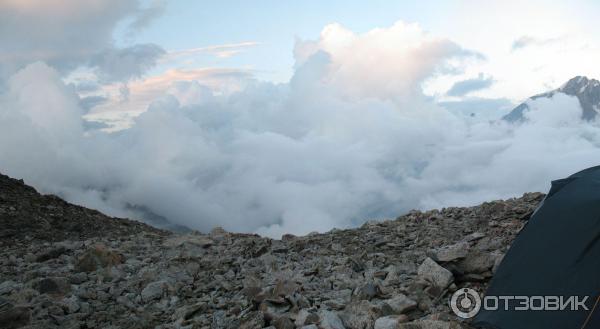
<point x="461" y="88"/>
<point x="126" y="63"/>
<point x="63" y="34"/>
<point x="145" y="16"/>
<point x="331" y="148"/>
<point x="189" y="86"/>
<point x="220" y="51"/>
<point x="406" y="51"/>
<point x="528" y="41"/>
<point x="66" y="34"/>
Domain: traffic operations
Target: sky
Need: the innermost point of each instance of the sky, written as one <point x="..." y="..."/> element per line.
<point x="274" y="117"/>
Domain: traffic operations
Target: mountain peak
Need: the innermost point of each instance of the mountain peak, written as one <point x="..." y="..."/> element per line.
<point x="585" y="89"/>
<point x="578" y="85"/>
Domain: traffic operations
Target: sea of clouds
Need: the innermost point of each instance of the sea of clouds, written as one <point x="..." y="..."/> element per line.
<point x="350" y="138"/>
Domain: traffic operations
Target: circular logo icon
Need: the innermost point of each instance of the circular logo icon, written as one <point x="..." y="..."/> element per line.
<point x="465" y="303"/>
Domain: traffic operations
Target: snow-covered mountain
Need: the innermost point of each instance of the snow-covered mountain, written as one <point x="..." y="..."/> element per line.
<point x="586" y="90"/>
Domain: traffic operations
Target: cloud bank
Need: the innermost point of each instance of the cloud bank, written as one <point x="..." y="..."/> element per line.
<point x="351" y="137"/>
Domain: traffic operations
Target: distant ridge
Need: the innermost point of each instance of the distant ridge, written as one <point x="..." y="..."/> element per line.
<point x="585" y="89"/>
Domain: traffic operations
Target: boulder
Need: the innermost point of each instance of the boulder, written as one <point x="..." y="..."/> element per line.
<point x="433" y="273"/>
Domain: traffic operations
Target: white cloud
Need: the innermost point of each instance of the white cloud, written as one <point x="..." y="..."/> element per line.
<point x="220" y="51"/>
<point x="528" y="41"/>
<point x="125" y="102"/>
<point x="370" y="64"/>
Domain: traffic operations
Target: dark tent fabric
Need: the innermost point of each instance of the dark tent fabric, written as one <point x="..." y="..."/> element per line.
<point x="556" y="254"/>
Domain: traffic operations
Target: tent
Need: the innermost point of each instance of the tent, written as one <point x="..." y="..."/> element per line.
<point x="556" y="254"/>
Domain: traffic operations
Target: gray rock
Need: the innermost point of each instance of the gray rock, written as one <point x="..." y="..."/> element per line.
<point x="435" y="274"/>
<point x="330" y="320"/>
<point x="390" y="321"/>
<point x="283" y="322"/>
<point x="252" y="320"/>
<point x="401" y="304"/>
<point x="7" y="287"/>
<point x="477" y="262"/>
<point x="304" y="317"/>
<point x="450" y="253"/>
<point x="78" y="278"/>
<point x="154" y="290"/>
<point x="368" y="291"/>
<point x="310" y="326"/>
<point x="362" y="314"/>
<point x="72" y="304"/>
<point x="53" y="286"/>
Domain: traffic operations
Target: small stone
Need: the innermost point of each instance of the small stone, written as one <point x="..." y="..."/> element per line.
<point x="477" y="262"/>
<point x="401" y="304"/>
<point x="368" y="291"/>
<point x="474" y="236"/>
<point x="310" y="326"/>
<point x="283" y="322"/>
<point x="450" y="253"/>
<point x="7" y="287"/>
<point x="390" y="321"/>
<point x="78" y="278"/>
<point x="362" y="314"/>
<point x="305" y="317"/>
<point x="284" y="288"/>
<point x="435" y="274"/>
<point x="153" y="290"/>
<point x="330" y="320"/>
<point x="188" y="311"/>
<point x="71" y="304"/>
<point x="252" y="320"/>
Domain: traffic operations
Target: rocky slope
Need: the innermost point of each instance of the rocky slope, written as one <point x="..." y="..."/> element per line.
<point x="64" y="266"/>
<point x="586" y="90"/>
